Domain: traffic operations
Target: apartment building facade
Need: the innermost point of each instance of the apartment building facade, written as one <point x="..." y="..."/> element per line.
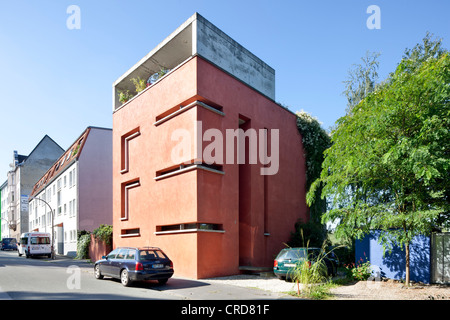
<point x="178" y="184"/>
<point x="25" y="172"/>
<point x="75" y="194"/>
<point x="4" y="228"/>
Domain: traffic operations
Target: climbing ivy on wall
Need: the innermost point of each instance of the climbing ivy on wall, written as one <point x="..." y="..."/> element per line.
<point x="315" y="141"/>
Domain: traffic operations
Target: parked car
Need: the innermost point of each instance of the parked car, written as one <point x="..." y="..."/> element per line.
<point x="135" y="264"/>
<point x="288" y="259"/>
<point x="9" y="244"/>
<point x="35" y="244"/>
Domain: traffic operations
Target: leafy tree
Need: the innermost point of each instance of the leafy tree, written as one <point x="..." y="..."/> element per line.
<point x="388" y="164"/>
<point x="361" y="80"/>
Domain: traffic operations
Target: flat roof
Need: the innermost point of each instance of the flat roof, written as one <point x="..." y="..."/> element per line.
<point x="198" y="36"/>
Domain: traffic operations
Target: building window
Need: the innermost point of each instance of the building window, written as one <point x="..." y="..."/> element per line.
<point x="169" y="172"/>
<point x="135" y="232"/>
<point x="58" y="202"/>
<point x="189" y="227"/>
<point x="126" y="187"/>
<point x="125" y="149"/>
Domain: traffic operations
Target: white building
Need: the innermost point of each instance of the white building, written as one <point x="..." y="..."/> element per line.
<point x="75" y="194"/>
<point x="3" y="210"/>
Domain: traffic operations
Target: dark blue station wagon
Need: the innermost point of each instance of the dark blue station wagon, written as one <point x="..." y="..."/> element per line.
<point x="135" y="264"/>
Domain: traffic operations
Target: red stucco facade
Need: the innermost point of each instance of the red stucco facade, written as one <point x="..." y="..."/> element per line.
<point x="252" y="214"/>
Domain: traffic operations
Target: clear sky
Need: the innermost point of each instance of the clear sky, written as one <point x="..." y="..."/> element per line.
<point x="58" y="81"/>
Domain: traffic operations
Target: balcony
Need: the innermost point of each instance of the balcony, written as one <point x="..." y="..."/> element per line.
<point x="157" y="64"/>
<point x="197" y="37"/>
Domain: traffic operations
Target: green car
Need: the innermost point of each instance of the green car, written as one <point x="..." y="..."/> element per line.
<point x="288" y="259"/>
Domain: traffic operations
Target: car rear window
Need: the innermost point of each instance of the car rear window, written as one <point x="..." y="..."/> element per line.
<point x="291" y="254"/>
<point x="40" y="240"/>
<point x="8" y="240"/>
<point x="147" y="255"/>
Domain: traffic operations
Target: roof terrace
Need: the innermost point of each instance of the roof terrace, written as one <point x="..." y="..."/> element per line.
<point x="196" y="36"/>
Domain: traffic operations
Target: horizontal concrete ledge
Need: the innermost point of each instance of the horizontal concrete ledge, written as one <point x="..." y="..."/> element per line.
<point x="188" y="231"/>
<point x="189" y="106"/>
<point x="193" y="167"/>
<point x="129" y="235"/>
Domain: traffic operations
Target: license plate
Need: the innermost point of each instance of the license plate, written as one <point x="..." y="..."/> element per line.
<point x="289" y="264"/>
<point x="157" y="266"/>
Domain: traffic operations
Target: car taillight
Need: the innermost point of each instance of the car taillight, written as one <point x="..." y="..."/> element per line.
<point x="171" y="264"/>
<point x="275" y="263"/>
<point x="139" y="266"/>
<point x="309" y="264"/>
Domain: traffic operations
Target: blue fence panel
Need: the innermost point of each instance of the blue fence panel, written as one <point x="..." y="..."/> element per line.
<point x="393" y="265"/>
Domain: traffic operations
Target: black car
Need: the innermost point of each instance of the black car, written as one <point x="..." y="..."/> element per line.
<point x="135" y="264"/>
<point x="9" y="244"/>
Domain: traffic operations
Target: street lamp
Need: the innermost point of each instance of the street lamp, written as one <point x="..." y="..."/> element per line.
<point x="53" y="224"/>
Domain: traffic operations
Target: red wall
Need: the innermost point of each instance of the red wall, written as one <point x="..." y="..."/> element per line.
<point x="236" y="200"/>
<point x="97" y="249"/>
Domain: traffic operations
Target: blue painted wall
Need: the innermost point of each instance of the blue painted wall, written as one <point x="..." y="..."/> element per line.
<point x="393" y="265"/>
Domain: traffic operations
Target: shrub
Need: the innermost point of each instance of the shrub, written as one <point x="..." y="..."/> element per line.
<point x="84" y="240"/>
<point x="103" y="233"/>
<point x="360" y="272"/>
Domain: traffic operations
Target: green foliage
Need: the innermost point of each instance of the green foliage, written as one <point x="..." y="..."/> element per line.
<point x="104" y="233"/>
<point x="84" y="240"/>
<point x="388" y="164"/>
<point x="359" y="272"/>
<point x="310" y="230"/>
<point x="139" y="84"/>
<point x="315" y="141"/>
<point x="311" y="274"/>
<point x="124" y="96"/>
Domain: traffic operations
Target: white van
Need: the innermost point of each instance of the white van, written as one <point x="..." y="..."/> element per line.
<point x="34" y="244"/>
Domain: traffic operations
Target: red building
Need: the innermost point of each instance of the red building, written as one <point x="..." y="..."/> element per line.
<point x="178" y="180"/>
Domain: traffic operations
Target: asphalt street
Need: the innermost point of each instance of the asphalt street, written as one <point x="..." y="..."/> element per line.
<point x="69" y="279"/>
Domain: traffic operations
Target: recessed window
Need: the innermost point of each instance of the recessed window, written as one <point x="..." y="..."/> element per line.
<point x="125" y="149"/>
<point x="169" y="172"/>
<point x="178" y="109"/>
<point x="135" y="232"/>
<point x="189" y="227"/>
<point x="126" y="187"/>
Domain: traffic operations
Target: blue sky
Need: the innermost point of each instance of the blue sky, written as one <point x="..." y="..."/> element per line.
<point x="58" y="81"/>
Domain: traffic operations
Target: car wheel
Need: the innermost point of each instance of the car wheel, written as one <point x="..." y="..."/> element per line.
<point x="163" y="281"/>
<point x="97" y="273"/>
<point x="124" y="278"/>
